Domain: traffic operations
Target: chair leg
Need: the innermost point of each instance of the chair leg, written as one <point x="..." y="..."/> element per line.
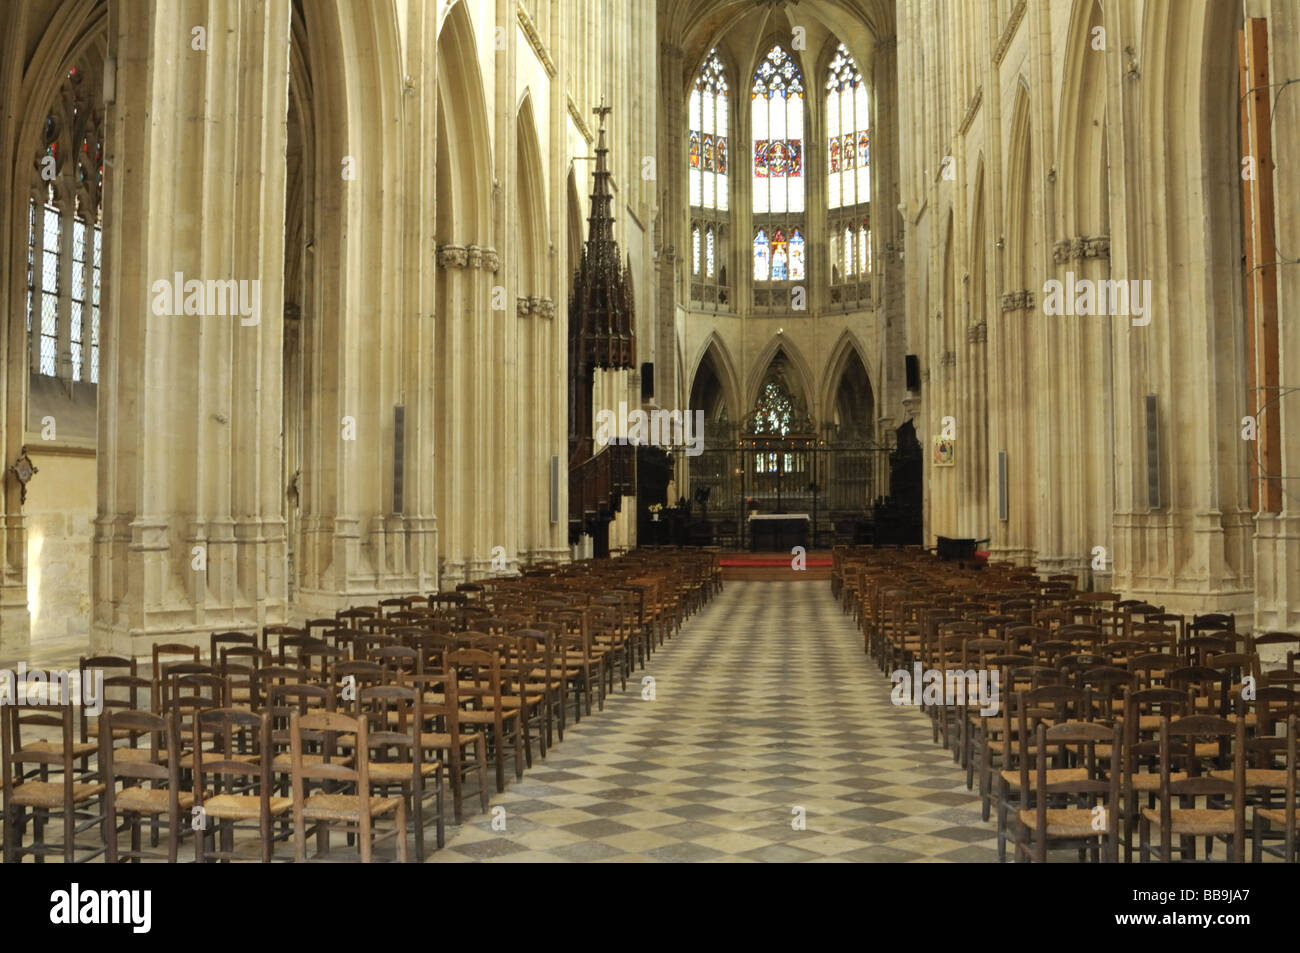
<point x="417" y="808"/>
<point x="401" y="832"/>
<point x="481" y="745"/>
<point x="498" y="742"/>
<point x="441" y="823"/>
<point x="454" y="770"/>
<point x="267" y="846"/>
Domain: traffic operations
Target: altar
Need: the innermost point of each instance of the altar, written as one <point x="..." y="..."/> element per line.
<point x="778" y="532"/>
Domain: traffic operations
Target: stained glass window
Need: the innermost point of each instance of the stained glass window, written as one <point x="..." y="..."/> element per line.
<point x="847" y="130"/>
<point x="709" y="254"/>
<point x="777" y="113"/>
<point x="796" y="256"/>
<point x="708" y="136"/>
<point x="695" y="250"/>
<point x="774" y="411"/>
<point x="762" y="256"/>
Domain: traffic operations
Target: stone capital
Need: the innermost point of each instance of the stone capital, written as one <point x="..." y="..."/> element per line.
<point x="452" y="256"/>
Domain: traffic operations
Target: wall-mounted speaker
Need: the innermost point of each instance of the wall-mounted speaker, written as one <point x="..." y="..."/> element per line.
<point x="399" y="456"/>
<point x="1152" y="407"/>
<point x="1003" y="500"/>
<point x="555" y="489"/>
<point x="913" y="373"/>
<point x="647" y="381"/>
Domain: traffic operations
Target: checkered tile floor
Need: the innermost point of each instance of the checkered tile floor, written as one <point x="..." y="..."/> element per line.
<point x="765" y="708"/>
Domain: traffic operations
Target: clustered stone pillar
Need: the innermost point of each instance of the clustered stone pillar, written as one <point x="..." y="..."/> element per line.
<point x="191" y="528"/>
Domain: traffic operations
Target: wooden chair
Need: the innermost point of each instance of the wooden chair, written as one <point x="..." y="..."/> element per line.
<point x="29" y="794"/>
<point x="1287" y="817"/>
<point x="1186" y="821"/>
<point x="1047" y="704"/>
<point x="442" y="736"/>
<point x="1093" y="823"/>
<point x="1145" y="710"/>
<point x="240" y="786"/>
<point x="479" y="684"/>
<point x="396" y="716"/>
<point x="355" y="812"/>
<point x="160" y="769"/>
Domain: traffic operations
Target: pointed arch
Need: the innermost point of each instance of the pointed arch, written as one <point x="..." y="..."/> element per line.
<point x="847" y="349"/>
<point x="1083" y="127"/>
<point x="530" y="182"/>
<point x="977" y="247"/>
<point x="464" y="140"/>
<point x="1019" y="192"/>
<point x="714" y="349"/>
<point x="802" y="383"/>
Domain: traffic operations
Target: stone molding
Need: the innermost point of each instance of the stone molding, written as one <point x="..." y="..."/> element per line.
<point x="1009" y="34"/>
<point x="535" y="40"/>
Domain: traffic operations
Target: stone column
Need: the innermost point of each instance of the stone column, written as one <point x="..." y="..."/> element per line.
<point x="190" y="534"/>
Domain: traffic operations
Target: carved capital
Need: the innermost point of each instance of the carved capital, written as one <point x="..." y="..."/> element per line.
<point x="1080" y="247"/>
<point x="452" y="256"/>
<point x="1022" y="300"/>
<point x="1098" y="246"/>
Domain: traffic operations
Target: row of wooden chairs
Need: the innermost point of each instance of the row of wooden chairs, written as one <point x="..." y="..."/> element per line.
<point x="1108" y="702"/>
<point x="279" y="732"/>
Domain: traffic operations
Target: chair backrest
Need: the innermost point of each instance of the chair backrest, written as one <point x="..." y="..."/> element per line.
<point x="220" y="640"/>
<point x="352" y="767"/>
<point x="161" y="665"/>
<point x="396" y="719"/>
<point x="1213" y="620"/>
<point x="356" y="612"/>
<point x="163" y="763"/>
<point x="1193" y="731"/>
<point x="280" y="630"/>
<point x="357" y="673"/>
<point x="215" y="735"/>
<point x="36" y="706"/>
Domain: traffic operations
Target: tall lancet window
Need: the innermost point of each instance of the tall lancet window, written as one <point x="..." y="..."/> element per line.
<point x="64" y="246"/>
<point x="848" y="179"/>
<point x="779" y="177"/>
<point x="709" y="162"/>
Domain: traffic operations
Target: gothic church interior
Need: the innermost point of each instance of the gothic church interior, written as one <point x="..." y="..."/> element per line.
<point x="460" y="375"/>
